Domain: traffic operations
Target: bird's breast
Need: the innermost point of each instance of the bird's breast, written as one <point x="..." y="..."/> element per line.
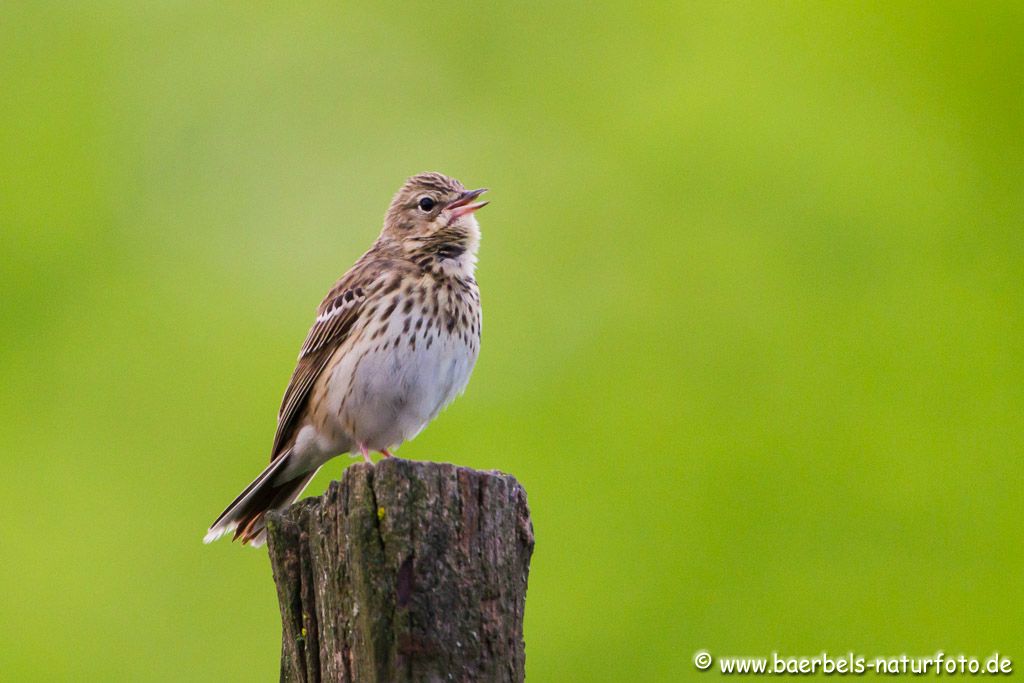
<point x="402" y="369"/>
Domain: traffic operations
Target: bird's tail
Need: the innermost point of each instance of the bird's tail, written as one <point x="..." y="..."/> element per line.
<point x="245" y="515"/>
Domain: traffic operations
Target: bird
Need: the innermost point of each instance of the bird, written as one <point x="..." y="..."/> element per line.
<point x="393" y="343"/>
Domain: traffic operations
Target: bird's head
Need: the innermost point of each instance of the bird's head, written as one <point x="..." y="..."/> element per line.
<point x="433" y="213"/>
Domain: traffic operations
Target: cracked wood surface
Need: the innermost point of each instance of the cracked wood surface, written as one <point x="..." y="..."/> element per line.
<point x="404" y="571"/>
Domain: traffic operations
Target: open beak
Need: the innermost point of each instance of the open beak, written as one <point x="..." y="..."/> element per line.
<point x="465" y="205"/>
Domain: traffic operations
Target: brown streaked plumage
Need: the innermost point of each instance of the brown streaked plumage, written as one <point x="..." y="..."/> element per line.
<point x="394" y="341"/>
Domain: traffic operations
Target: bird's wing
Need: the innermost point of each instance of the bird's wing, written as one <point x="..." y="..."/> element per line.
<point x="334" y="320"/>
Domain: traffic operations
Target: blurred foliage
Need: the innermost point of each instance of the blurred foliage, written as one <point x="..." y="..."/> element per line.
<point x="753" y="287"/>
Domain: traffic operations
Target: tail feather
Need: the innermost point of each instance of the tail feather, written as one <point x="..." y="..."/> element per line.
<point x="252" y="527"/>
<point x="245" y="515"/>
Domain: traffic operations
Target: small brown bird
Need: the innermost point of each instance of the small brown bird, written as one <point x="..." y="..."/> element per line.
<point x="394" y="342"/>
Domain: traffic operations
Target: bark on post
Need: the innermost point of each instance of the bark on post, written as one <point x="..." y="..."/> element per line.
<point x="405" y="571"/>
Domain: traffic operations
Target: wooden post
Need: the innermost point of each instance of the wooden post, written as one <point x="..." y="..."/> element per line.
<point x="404" y="571"/>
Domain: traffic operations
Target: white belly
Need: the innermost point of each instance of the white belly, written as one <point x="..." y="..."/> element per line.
<point x="387" y="395"/>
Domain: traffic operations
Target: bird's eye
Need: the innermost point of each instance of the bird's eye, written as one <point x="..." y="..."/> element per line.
<point x="427" y="204"/>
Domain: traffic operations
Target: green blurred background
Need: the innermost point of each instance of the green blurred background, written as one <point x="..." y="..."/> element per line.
<point x="752" y="280"/>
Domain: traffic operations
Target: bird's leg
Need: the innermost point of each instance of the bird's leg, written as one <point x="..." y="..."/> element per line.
<point x="386" y="453"/>
<point x="366" y="453"/>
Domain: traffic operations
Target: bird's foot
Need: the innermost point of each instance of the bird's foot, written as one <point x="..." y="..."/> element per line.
<point x="387" y="453"/>
<point x="366" y="454"/>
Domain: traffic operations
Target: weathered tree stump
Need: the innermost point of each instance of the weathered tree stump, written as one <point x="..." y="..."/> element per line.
<point x="404" y="571"/>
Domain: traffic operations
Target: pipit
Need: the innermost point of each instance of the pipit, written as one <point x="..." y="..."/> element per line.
<point x="394" y="342"/>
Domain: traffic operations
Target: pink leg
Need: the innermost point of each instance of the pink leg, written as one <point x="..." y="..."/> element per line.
<point x="366" y="453"/>
<point x="386" y="453"/>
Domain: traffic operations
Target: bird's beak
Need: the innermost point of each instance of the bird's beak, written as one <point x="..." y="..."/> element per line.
<point x="464" y="204"/>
